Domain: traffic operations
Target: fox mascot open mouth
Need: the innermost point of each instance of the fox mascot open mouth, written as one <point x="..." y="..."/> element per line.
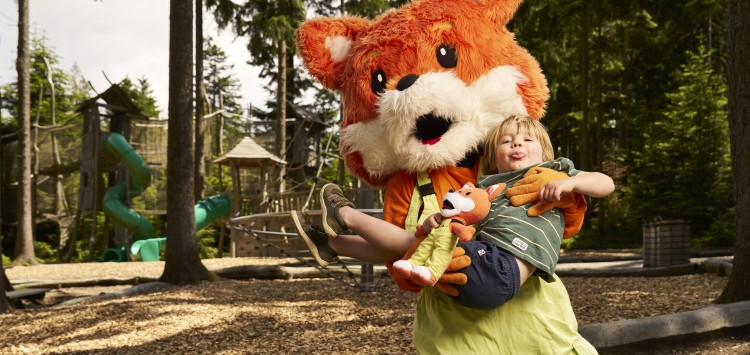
<point x="422" y="85"/>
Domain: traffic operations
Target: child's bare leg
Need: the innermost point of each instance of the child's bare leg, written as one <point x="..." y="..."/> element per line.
<point x="339" y="214"/>
<point x="356" y="247"/>
<point x="377" y="233"/>
<point x="525" y="270"/>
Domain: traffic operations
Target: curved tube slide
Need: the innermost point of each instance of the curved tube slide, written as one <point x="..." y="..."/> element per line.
<point x="117" y="147"/>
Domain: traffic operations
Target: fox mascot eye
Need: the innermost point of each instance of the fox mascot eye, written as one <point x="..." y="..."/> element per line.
<point x="377" y="82"/>
<point x="446" y="56"/>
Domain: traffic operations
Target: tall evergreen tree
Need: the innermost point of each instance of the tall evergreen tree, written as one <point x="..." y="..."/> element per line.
<point x="182" y="262"/>
<point x="221" y="84"/>
<point x="24" y="253"/>
<point x="200" y="94"/>
<point x="142" y="95"/>
<point x="738" y="286"/>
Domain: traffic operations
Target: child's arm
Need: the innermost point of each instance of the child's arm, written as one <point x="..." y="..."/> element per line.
<point x="593" y="184"/>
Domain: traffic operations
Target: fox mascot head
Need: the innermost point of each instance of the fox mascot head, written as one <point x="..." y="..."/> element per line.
<point x="422" y="84"/>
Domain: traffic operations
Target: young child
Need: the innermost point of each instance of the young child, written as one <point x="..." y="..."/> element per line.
<point x="509" y="248"/>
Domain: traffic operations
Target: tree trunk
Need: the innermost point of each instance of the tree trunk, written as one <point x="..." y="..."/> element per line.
<point x="24" y="253"/>
<point x="738" y="286"/>
<point x="200" y="93"/>
<point x="585" y="151"/>
<point x="4" y="305"/>
<point x="183" y="265"/>
<point x="281" y="111"/>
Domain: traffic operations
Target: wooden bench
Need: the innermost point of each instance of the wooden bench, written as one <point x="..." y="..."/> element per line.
<point x="16" y="297"/>
<point x="32" y="294"/>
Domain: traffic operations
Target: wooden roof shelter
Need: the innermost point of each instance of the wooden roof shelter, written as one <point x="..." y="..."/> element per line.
<point x="247" y="155"/>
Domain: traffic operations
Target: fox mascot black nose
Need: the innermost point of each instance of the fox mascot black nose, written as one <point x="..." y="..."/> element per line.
<point x="406" y="82"/>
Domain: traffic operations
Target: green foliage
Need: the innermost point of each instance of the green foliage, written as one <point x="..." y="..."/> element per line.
<point x="142" y="95"/>
<point x="682" y="170"/>
<point x="68" y="87"/>
<point x="720" y="234"/>
<point x="222" y="86"/>
<point x="630" y="96"/>
<point x="44" y="252"/>
<point x="214" y="184"/>
<point x="6" y="260"/>
<point x="208" y="239"/>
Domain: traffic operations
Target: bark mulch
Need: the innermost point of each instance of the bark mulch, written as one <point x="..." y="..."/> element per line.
<point x="299" y="316"/>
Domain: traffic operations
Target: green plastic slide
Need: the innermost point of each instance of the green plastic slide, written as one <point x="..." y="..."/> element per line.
<point x="206" y="212"/>
<point x="117" y="147"/>
<point x="146" y="248"/>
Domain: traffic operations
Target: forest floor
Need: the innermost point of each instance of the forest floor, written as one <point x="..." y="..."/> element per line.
<point x="312" y="316"/>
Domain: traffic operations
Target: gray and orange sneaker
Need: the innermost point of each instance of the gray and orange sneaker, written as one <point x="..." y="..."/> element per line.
<point x="315" y="239"/>
<point x="331" y="200"/>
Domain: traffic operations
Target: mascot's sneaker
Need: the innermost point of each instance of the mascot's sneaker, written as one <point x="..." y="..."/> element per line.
<point x="331" y="199"/>
<point x="315" y="239"/>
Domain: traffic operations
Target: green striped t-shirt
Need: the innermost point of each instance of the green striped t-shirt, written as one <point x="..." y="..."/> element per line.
<point x="533" y="239"/>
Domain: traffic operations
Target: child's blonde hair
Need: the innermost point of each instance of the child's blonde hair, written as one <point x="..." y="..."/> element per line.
<point x="521" y="124"/>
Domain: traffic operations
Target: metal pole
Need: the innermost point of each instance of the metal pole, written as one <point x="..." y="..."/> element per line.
<point x="367" y="276"/>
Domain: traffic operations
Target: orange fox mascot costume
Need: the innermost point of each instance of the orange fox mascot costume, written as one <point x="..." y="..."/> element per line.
<point x="421" y="86"/>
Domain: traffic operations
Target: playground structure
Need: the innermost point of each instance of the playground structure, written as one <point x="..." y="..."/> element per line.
<point x="107" y="157"/>
<point x="119" y="163"/>
<point x="129" y="175"/>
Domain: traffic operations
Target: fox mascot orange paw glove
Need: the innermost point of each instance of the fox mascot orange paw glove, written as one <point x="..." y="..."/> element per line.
<point x="526" y="190"/>
<point x="421" y="87"/>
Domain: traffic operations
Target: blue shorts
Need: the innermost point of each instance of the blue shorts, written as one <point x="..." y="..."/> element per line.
<point x="494" y="277"/>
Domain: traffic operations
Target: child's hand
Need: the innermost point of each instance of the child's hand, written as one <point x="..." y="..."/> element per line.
<point x="432" y="222"/>
<point x="553" y="190"/>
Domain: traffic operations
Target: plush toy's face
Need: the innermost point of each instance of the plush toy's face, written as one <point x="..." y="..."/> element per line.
<point x="469" y="204"/>
<point x="422" y="85"/>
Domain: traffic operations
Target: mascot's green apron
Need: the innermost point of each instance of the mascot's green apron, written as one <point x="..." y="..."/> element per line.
<point x="538" y="320"/>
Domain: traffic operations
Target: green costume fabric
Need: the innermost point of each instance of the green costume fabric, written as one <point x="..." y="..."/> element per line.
<point x="538" y="320"/>
<point x="533" y="239"/>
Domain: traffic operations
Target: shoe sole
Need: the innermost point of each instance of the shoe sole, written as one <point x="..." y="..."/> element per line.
<point x="310" y="245"/>
<point x="329" y="231"/>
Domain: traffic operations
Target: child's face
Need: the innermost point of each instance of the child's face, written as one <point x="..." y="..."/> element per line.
<point x="516" y="150"/>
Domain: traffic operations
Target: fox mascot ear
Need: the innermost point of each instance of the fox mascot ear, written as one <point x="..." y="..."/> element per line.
<point x="324" y="46"/>
<point x="500" y="11"/>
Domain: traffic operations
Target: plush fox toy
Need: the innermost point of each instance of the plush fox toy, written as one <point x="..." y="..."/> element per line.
<point x="460" y="210"/>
